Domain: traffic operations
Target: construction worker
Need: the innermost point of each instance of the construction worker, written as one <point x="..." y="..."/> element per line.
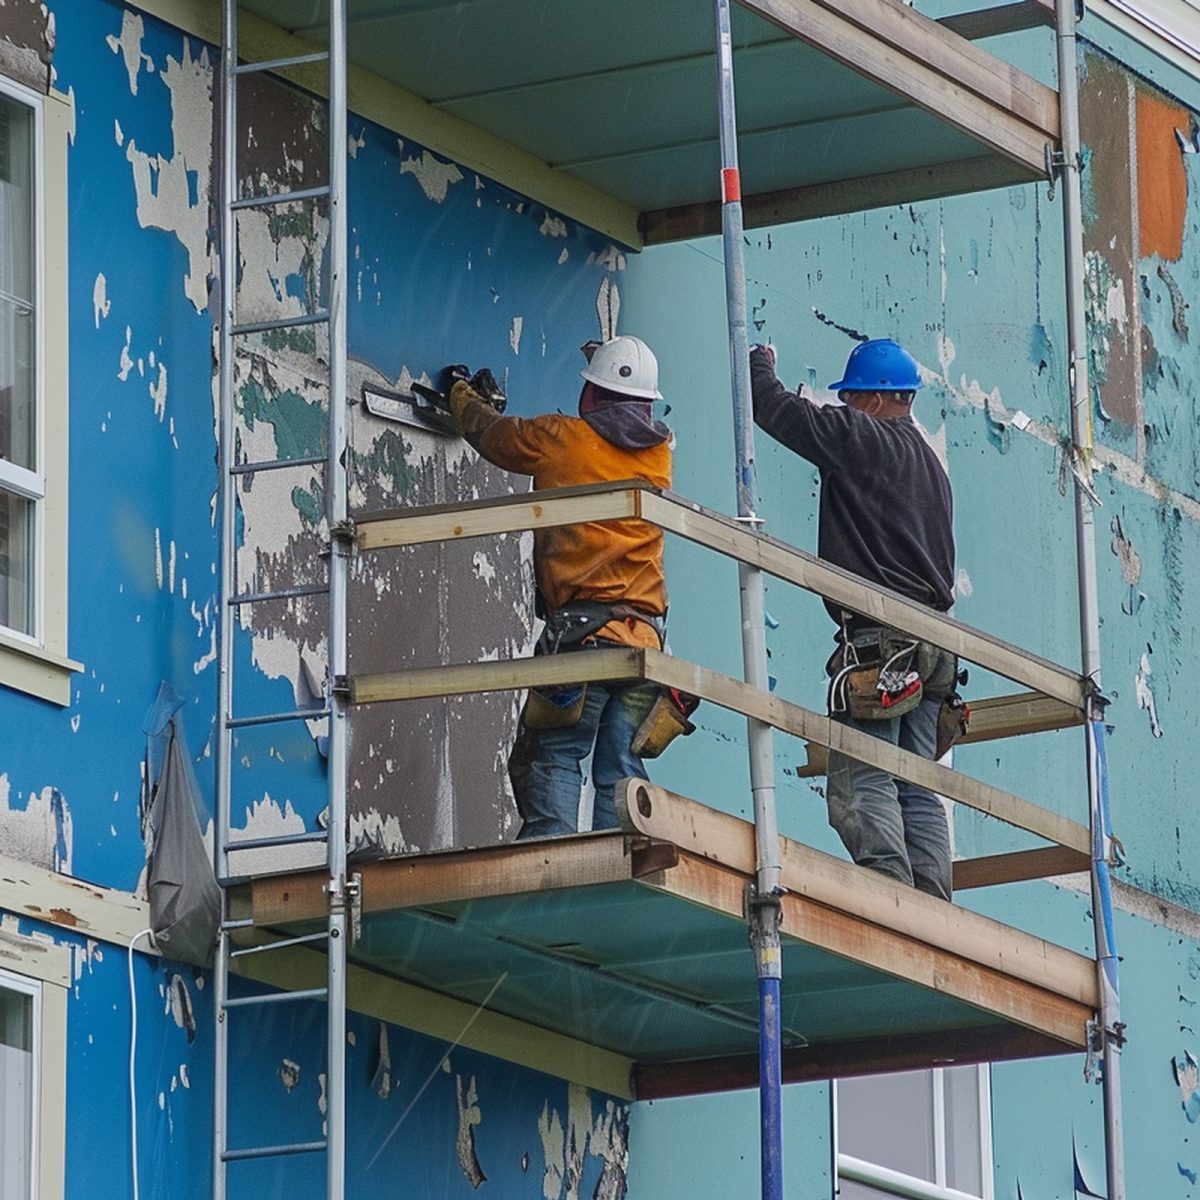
<point x="886" y="513"/>
<point x="599" y="584"/>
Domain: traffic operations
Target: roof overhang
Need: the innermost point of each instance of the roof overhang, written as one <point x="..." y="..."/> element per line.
<point x="605" y="110"/>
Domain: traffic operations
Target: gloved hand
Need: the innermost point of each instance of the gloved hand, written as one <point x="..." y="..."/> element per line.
<point x="485" y="385"/>
<point x="461" y="394"/>
<point x="763" y="348"/>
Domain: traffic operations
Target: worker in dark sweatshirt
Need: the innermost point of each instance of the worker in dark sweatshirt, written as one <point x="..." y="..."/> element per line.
<point x="886" y="513"/>
<point x="599" y="583"/>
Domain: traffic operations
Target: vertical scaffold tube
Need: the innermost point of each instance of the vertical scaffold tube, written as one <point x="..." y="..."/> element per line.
<point x="224" y="747"/>
<point x="339" y="570"/>
<point x="1111" y="1027"/>
<point x="764" y="905"/>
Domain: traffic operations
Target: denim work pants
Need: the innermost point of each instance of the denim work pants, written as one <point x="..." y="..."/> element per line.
<point x="545" y="764"/>
<point x="891" y="826"/>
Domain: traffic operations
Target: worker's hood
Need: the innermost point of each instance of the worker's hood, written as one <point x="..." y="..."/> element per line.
<point x="627" y="423"/>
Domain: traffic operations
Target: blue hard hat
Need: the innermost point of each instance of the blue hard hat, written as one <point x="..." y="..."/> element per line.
<point x="879" y="366"/>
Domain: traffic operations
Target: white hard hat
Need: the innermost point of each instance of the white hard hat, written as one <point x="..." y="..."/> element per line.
<point x="626" y="365"/>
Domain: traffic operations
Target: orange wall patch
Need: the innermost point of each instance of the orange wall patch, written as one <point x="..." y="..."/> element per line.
<point x="1161" y="181"/>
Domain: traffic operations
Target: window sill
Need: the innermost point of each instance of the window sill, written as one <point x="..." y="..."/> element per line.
<point x="35" y="670"/>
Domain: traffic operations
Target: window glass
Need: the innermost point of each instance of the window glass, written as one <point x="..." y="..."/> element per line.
<point x="964" y="1167"/>
<point x="16" y="563"/>
<point x="16" y="1094"/>
<point x="888" y="1120"/>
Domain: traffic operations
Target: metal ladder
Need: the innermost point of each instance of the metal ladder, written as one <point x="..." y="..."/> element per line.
<point x="339" y="889"/>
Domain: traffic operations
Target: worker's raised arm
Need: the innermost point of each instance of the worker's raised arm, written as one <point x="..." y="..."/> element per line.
<point x="509" y="442"/>
<point x="818" y="434"/>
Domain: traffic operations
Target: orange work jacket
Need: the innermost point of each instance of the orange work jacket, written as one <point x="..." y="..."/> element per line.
<point x="610" y="561"/>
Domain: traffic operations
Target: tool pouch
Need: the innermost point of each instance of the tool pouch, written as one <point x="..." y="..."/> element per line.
<point x="883" y="673"/>
<point x="554" y="708"/>
<point x="954" y="720"/>
<point x="666" y="720"/>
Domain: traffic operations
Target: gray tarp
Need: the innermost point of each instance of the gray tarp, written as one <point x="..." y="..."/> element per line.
<point x="185" y="901"/>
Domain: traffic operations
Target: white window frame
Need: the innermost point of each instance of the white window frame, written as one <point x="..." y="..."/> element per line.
<point x="897" y="1183"/>
<point x="37" y="663"/>
<point x="47" y="986"/>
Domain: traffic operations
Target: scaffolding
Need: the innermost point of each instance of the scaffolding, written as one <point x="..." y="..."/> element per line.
<point x="661" y="830"/>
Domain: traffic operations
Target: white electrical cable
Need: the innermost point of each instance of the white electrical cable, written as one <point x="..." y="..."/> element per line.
<point x="133" y="1152"/>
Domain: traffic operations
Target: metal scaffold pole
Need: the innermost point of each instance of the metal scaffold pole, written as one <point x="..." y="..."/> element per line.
<point x="764" y="905"/>
<point x="341" y="544"/>
<point x="1108" y="1037"/>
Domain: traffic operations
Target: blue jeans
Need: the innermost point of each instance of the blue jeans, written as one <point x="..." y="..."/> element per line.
<point x="893" y="827"/>
<point x="544" y="765"/>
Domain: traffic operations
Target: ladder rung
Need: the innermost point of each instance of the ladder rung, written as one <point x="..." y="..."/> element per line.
<point x="240" y="923"/>
<point x="277" y="464"/>
<point x="316" y="318"/>
<point x="300" y="714"/>
<point x="282" y="839"/>
<point x="280" y="945"/>
<point x="310" y="589"/>
<point x="277" y="998"/>
<point x="266" y="201"/>
<point x="272" y="1151"/>
<point x="277" y="64"/>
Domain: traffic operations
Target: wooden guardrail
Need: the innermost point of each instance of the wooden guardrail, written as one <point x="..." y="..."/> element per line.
<point x="1056" y="700"/>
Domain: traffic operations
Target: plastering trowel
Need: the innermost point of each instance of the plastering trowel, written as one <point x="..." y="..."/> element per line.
<point x="428" y="408"/>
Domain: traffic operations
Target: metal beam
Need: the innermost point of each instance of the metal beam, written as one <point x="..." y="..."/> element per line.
<point x="838" y="196"/>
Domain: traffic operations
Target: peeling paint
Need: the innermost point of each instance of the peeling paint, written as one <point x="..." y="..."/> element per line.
<point x="434" y="175"/>
<point x="172" y="194"/>
<point x="1145" y="695"/>
<point x="514" y="334"/>
<point x="289" y="1074"/>
<point x="101" y="305"/>
<point x="179" y="1004"/>
<point x="1187" y="1076"/>
<point x="553" y="226"/>
<point x="608" y="308"/>
<point x="41" y="833"/>
<point x="469" y="1115"/>
<point x="129" y="47"/>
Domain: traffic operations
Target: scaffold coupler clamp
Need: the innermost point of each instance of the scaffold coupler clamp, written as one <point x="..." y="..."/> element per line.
<point x="342" y="538"/>
<point x="1099" y="1038"/>
<point x="764" y="912"/>
<point x="354" y="895"/>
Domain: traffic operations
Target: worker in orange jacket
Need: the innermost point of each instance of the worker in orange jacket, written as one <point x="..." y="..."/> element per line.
<point x="599" y="583"/>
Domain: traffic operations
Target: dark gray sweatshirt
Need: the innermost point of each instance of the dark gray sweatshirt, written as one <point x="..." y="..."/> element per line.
<point x="887" y="512"/>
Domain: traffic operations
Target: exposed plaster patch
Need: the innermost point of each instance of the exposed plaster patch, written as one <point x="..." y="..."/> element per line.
<point x="1179" y="305"/>
<point x="101" y="304"/>
<point x="612" y="258"/>
<point x="563" y="256"/>
<point x="1122" y="547"/>
<point x="355" y="144"/>
<point x="172" y="194"/>
<point x="553" y="226"/>
<point x="610" y="1143"/>
<point x="41" y="833"/>
<point x="264" y="818"/>
<point x="158" y="392"/>
<point x="1187" y="1076"/>
<point x="1145" y="695"/>
<point x="370" y="827"/>
<point x="118" y="133"/>
<point x="608" y="308"/>
<point x="289" y="1074"/>
<point x="550" y="1130"/>
<point x="514" y="334"/>
<point x="381" y="1081"/>
<point x="129" y="47"/>
<point x="434" y="176"/>
<point x="962" y="584"/>
<point x="126" y="360"/>
<point x="469" y="1115"/>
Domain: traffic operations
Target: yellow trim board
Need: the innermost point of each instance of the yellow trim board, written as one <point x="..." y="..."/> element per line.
<point x="407" y="114"/>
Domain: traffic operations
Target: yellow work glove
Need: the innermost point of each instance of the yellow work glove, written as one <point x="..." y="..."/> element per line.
<point x="461" y="394"/>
